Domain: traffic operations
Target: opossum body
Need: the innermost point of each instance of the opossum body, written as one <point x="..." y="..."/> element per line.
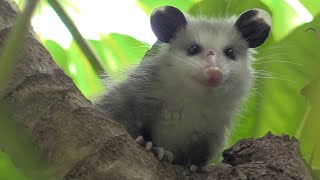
<point x="183" y="94"/>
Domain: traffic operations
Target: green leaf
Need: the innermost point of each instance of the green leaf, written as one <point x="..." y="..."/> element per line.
<point x="76" y="66"/>
<point x="278" y="106"/>
<point x="225" y="8"/>
<point x="292" y="62"/>
<point x="316" y="173"/>
<point x="313" y="6"/>
<point x="284" y="18"/>
<point x="15" y="141"/>
<point x="118" y="51"/>
<point x="59" y="54"/>
<point x="7" y="170"/>
<point x="81" y="71"/>
<point x="93" y="59"/>
<point x="149" y="5"/>
<point x="308" y="131"/>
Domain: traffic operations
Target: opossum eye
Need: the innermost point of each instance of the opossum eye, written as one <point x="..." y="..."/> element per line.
<point x="193" y="50"/>
<point x="230" y="53"/>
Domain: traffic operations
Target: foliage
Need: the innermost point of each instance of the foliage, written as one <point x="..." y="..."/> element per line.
<point x="285" y="64"/>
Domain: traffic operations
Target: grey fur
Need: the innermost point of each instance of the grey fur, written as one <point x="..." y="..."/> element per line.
<point x="129" y="102"/>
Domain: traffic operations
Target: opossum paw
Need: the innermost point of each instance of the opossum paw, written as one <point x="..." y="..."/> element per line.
<point x="194" y="168"/>
<point x="159" y="152"/>
<point x="140" y="140"/>
<point x="162" y="154"/>
<point x="148" y="146"/>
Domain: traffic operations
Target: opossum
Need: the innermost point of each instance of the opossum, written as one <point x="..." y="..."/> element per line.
<point x="183" y="94"/>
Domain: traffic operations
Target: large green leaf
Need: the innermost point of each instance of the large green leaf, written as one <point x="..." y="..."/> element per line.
<point x="118" y="51"/>
<point x="82" y="72"/>
<point x="76" y="66"/>
<point x="7" y="170"/>
<point x="16" y="143"/>
<point x="59" y="54"/>
<point x="292" y="62"/>
<point x="284" y="17"/>
<point x="308" y="132"/>
<point x="313" y="6"/>
<point x="149" y="5"/>
<point x="224" y="8"/>
<point x="278" y="105"/>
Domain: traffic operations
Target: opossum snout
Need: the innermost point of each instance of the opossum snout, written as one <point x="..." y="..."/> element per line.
<point x="212" y="76"/>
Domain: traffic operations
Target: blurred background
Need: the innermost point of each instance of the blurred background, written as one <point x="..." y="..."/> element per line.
<point x="108" y="36"/>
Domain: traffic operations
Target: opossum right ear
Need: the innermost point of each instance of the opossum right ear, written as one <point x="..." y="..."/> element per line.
<point x="166" y="21"/>
<point x="254" y="26"/>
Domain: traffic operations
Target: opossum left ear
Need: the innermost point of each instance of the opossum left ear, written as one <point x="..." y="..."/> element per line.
<point x="254" y="26"/>
<point x="166" y="21"/>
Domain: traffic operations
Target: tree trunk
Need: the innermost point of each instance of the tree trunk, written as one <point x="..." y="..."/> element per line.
<point x="79" y="142"/>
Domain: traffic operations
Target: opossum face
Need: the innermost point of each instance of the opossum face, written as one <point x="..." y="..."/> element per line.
<point x="211" y="52"/>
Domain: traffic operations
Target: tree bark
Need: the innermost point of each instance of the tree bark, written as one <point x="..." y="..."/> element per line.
<point x="79" y="142"/>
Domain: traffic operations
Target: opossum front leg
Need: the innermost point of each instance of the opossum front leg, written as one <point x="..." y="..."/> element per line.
<point x="159" y="152"/>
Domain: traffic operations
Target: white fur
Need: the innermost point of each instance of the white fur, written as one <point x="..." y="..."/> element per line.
<point x="191" y="109"/>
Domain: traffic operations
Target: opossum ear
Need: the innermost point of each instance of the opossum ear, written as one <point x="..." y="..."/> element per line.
<point x="254" y="26"/>
<point x="166" y="21"/>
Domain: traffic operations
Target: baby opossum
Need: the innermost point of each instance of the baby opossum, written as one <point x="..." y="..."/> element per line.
<point x="184" y="92"/>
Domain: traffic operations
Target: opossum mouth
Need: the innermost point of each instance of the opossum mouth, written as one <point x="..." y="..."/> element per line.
<point x="212" y="77"/>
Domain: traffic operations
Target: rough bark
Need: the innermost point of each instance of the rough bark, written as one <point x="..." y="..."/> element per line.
<point x="79" y="142"/>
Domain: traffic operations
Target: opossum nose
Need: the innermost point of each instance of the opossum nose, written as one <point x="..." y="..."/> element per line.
<point x="210" y="52"/>
<point x="210" y="57"/>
